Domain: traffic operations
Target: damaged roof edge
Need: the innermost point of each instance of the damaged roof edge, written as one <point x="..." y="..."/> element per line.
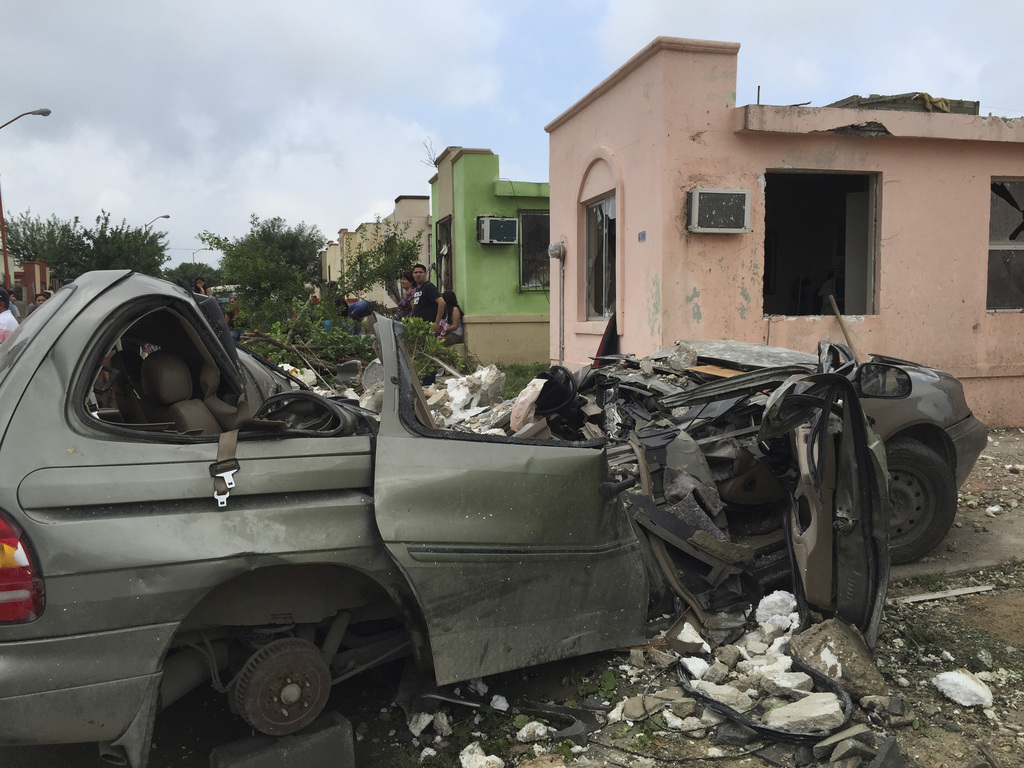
<point x="757" y="118"/>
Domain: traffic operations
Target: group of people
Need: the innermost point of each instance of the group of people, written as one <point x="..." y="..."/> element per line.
<point x="9" y="314"/>
<point x="422" y="299"/>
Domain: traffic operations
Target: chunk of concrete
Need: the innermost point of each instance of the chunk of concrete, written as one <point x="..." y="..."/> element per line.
<point x="325" y="743"/>
<point x="717" y="673"/>
<point x="889" y="755"/>
<point x="473" y="756"/>
<point x="850" y="748"/>
<point x="824" y="747"/>
<point x="639" y="707"/>
<point x="734" y="734"/>
<point x="786" y="684"/>
<point x="836" y="650"/>
<point x="814" y="712"/>
<point x="728" y="655"/>
<point x="660" y="659"/>
<point x="726" y="694"/>
<point x="964" y="688"/>
<point x="684" y="708"/>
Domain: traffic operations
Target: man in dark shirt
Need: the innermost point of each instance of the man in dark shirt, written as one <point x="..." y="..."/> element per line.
<point x="427" y="303"/>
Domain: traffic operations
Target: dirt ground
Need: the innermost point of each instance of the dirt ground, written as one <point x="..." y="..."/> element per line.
<point x="980" y="631"/>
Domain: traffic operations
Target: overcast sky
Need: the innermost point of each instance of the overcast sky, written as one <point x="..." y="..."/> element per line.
<point x="318" y="110"/>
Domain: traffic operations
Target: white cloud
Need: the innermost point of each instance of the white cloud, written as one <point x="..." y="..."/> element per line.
<point x="316" y="110"/>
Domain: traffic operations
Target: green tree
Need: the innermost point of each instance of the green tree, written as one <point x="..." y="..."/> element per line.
<point x="71" y="249"/>
<point x="384" y="256"/>
<point x="125" y="247"/>
<point x="190" y="270"/>
<point x="272" y="265"/>
<point x="61" y="244"/>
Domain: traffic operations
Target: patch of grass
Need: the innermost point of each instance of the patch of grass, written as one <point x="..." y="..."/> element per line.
<point x="518" y="375"/>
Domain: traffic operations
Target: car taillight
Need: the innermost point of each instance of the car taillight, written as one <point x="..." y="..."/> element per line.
<point x="21" y="588"/>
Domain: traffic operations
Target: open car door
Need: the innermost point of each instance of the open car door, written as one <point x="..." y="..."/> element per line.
<point x="514" y="554"/>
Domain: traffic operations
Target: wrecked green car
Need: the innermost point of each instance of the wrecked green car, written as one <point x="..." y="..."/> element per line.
<point x="169" y="517"/>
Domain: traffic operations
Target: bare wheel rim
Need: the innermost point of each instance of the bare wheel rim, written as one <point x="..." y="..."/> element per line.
<point x="911" y="506"/>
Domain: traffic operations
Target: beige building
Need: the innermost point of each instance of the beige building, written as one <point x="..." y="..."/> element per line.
<point x="685" y="216"/>
<point x="411" y="210"/>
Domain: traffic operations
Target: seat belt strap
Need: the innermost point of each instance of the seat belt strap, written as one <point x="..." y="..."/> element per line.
<point x="223" y="470"/>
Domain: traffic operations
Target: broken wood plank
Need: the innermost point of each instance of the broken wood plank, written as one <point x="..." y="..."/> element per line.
<point x="947" y="593"/>
<point x="715" y="370"/>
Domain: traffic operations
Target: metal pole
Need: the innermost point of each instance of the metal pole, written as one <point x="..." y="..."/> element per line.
<point x="3" y="244"/>
<point x="3" y="232"/>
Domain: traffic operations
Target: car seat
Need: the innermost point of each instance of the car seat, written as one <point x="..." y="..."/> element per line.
<point x="167" y="380"/>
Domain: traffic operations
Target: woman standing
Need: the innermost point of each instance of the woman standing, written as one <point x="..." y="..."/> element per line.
<point x="199" y="286"/>
<point x="408" y="292"/>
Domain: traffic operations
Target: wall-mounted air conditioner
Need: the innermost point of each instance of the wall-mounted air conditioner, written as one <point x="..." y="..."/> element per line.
<point x="724" y="211"/>
<point x="492" y="230"/>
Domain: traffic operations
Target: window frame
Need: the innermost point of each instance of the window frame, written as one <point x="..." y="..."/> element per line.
<point x="608" y="255"/>
<point x="1002" y="247"/>
<point x="541" y="267"/>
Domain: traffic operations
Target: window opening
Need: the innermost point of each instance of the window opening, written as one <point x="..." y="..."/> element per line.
<point x="601" y="258"/>
<point x="535" y="234"/>
<point x="444" y="260"/>
<point x="819" y="240"/>
<point x="1006" y="246"/>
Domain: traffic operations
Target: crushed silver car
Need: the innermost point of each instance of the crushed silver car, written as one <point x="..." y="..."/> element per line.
<point x="170" y="518"/>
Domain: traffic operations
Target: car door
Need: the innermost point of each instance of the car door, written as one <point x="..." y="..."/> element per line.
<point x="838" y="525"/>
<point x="515" y="556"/>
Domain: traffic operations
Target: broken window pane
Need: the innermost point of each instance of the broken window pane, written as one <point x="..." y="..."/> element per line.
<point x="601" y="258"/>
<point x="819" y="241"/>
<point x="1006" y="279"/>
<point x="534" y="270"/>
<point x="1006" y="246"/>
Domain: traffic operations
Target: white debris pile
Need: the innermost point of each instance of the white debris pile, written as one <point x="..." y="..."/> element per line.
<point x="467" y="396"/>
<point x="964" y="688"/>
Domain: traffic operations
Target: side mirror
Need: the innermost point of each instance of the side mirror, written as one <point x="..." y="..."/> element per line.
<point x="883" y="380"/>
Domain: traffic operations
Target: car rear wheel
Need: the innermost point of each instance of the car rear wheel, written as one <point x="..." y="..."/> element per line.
<point x="922" y="499"/>
<point x="283" y="686"/>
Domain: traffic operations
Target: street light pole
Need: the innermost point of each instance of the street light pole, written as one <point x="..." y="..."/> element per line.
<point x="3" y="231"/>
<point x="40" y="112"/>
<point x="165" y="216"/>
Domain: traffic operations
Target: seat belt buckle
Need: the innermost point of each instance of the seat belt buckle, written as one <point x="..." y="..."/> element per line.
<point x="229" y="477"/>
<point x="225" y="470"/>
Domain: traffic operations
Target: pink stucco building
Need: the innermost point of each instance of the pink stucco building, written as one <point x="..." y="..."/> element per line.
<point x="909" y="218"/>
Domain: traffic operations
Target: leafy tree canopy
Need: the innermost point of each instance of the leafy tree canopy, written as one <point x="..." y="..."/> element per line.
<point x="186" y="273"/>
<point x="72" y="249"/>
<point x="382" y="257"/>
<point x="272" y="265"/>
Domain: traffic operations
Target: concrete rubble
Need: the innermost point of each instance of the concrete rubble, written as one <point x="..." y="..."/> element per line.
<point x="760" y="701"/>
<point x="746" y="674"/>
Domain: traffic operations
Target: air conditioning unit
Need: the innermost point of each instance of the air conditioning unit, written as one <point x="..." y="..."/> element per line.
<point x="724" y="211"/>
<point x="492" y="230"/>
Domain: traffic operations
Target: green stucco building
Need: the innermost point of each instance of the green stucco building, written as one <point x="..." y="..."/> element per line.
<point x="491" y="239"/>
